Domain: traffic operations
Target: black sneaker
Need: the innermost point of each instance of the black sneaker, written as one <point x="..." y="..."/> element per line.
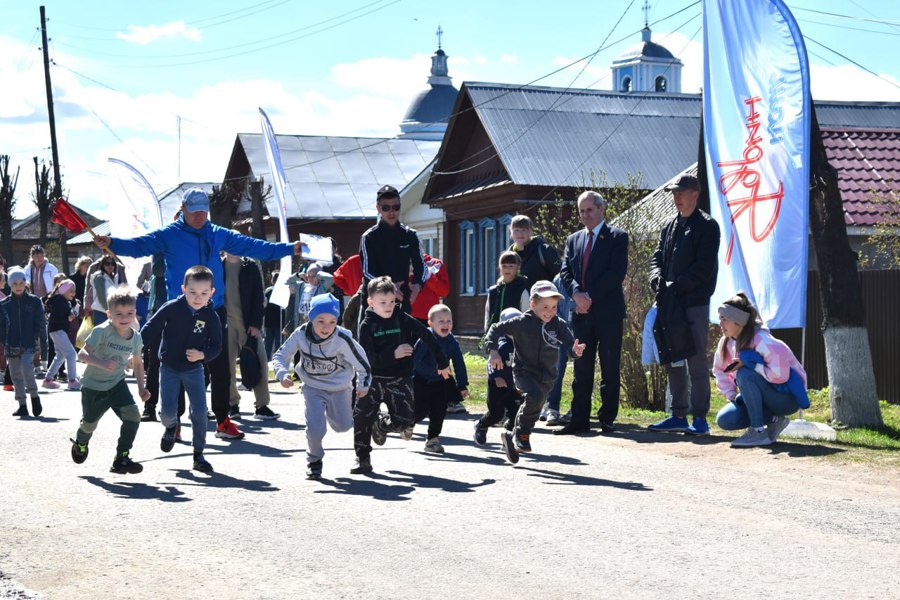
<point x="210" y="416"/>
<point x="314" y="470"/>
<point x="79" y="452"/>
<point x="234" y="413"/>
<point x="509" y="447"/>
<point x="201" y="464"/>
<point x="122" y="465"/>
<point x="480" y="435"/>
<point x="362" y="465"/>
<point x="523" y="442"/>
<point x="22" y="411"/>
<point x="265" y="413"/>
<point x="168" y="439"/>
<point x="379" y="435"/>
<point x="36" y="408"/>
<point x="149" y="413"/>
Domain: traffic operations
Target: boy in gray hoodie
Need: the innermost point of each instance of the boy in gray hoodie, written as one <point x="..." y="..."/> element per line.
<point x="329" y="358"/>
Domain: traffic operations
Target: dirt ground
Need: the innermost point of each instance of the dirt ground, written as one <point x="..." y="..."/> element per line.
<point x="628" y="515"/>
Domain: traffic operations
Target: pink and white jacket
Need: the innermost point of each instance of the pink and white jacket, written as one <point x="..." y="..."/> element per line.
<point x="779" y="360"/>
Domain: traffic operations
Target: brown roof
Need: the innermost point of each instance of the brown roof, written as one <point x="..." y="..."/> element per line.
<point x="868" y="166"/>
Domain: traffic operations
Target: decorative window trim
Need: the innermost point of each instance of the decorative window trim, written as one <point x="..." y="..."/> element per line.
<point x="487" y="258"/>
<point x="468" y="254"/>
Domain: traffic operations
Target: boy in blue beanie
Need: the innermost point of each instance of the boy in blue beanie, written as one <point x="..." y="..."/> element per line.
<point x="329" y="359"/>
<point x="22" y="322"/>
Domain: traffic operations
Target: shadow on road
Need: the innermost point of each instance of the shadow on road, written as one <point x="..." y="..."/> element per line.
<point x="555" y="477"/>
<point x="797" y="450"/>
<point x="245" y="446"/>
<point x="138" y="491"/>
<point x="439" y="483"/>
<point x="257" y="426"/>
<point x="220" y="480"/>
<point x="366" y="487"/>
<point x="43" y="419"/>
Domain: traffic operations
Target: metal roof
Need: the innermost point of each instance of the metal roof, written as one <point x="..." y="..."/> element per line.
<point x="330" y="177"/>
<point x="557" y="137"/>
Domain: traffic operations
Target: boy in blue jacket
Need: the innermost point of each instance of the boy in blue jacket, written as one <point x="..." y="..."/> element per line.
<point x="191" y="334"/>
<point x="22" y="322"/>
<point x="432" y="392"/>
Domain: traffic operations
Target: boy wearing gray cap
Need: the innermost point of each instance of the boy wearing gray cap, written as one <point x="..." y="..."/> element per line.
<point x="22" y="322"/>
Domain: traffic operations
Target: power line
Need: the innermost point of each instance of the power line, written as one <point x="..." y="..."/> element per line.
<point x="850" y="17"/>
<point x="845" y="27"/>
<point x="850" y="60"/>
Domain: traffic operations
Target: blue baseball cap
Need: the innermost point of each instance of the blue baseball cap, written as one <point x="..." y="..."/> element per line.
<point x="195" y="199"/>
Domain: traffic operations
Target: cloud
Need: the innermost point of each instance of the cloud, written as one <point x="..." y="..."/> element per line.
<point x="510" y="59"/>
<point x="143" y="35"/>
<point x="847" y="82"/>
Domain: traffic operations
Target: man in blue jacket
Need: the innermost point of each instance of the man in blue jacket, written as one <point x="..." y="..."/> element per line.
<point x="193" y="240"/>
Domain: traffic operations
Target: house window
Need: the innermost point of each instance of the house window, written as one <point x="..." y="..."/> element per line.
<point x="626" y="84"/>
<point x="661" y="84"/>
<point x="428" y="244"/>
<point x="467" y="258"/>
<point x="503" y="231"/>
<point x="488" y="242"/>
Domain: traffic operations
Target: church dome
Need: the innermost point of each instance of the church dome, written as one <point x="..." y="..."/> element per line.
<point x="429" y="113"/>
<point x="646" y="49"/>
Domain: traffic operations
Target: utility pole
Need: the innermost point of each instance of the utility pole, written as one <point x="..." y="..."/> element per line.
<point x="57" y="180"/>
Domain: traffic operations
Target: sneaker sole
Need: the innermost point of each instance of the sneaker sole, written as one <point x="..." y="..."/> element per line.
<point x="696" y="433"/>
<point x="509" y="447"/>
<point x="668" y="430"/>
<point x="226" y="436"/>
<point x="204" y="468"/>
<point x="759" y="444"/>
<point x="267" y="418"/>
<point x="132" y="471"/>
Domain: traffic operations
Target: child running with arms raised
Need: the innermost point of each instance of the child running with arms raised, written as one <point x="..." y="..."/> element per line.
<point x="388" y="335"/>
<point x="538" y="334"/>
<point x="329" y="358"/>
<point x="106" y="352"/>
<point x="191" y="335"/>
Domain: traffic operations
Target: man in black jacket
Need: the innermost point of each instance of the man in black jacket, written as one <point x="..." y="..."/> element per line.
<point x="244" y="303"/>
<point x="389" y="248"/>
<point x="683" y="274"/>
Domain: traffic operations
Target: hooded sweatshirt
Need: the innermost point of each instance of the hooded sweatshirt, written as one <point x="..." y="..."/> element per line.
<point x="326" y="364"/>
<point x="380" y="338"/>
<point x="537" y="344"/>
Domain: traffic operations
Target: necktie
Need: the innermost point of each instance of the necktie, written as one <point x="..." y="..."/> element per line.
<point x="586" y="257"/>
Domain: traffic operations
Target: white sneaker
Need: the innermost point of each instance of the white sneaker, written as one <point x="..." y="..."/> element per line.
<point x="456" y="408"/>
<point x="544" y="413"/>
<point x="407" y="434"/>
<point x="752" y="438"/>
<point x="434" y="446"/>
<point x="552" y="418"/>
<point x="778" y="424"/>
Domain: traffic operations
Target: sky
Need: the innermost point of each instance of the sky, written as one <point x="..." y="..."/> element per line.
<point x="126" y="74"/>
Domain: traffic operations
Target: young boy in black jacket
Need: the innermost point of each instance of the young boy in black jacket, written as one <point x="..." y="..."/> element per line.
<point x="191" y="335"/>
<point x="388" y="336"/>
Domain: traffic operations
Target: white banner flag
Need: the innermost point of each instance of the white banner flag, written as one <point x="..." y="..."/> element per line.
<point x="756" y="122"/>
<point x="281" y="294"/>
<point x="133" y="210"/>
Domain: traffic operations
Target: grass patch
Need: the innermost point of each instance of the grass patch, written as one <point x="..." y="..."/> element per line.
<point x="878" y="447"/>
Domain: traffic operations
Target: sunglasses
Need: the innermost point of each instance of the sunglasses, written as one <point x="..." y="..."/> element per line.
<point x="390" y="208"/>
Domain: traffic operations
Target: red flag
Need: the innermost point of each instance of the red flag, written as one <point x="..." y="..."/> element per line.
<point x="65" y="215"/>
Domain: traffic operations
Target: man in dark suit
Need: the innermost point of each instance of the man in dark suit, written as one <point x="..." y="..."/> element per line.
<point x="593" y="270"/>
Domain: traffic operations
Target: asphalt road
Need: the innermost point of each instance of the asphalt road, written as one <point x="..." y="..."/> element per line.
<point x="627" y="515"/>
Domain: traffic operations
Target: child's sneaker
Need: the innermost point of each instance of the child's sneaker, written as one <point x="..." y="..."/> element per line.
<point x="36" y="408"/>
<point x="227" y="430"/>
<point x="509" y="447"/>
<point x="22" y="411"/>
<point x="777" y="425"/>
<point x="49" y="384"/>
<point x="752" y="438"/>
<point x="124" y="465"/>
<point x="79" y="452"/>
<point x="523" y="442"/>
<point x="168" y="440"/>
<point x="314" y="470"/>
<point x="552" y="417"/>
<point x="434" y="446"/>
<point x="266" y="414"/>
<point x="480" y="435"/>
<point x="234" y="413"/>
<point x="407" y="434"/>
<point x="671" y="424"/>
<point x="149" y="413"/>
<point x="8" y="387"/>
<point x="456" y="408"/>
<point x="74" y="385"/>
<point x="698" y="427"/>
<point x="362" y="465"/>
<point x="379" y="435"/>
<point x="201" y="464"/>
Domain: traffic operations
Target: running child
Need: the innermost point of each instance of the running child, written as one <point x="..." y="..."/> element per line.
<point x="106" y="352"/>
<point x="387" y="335"/>
<point x="503" y="399"/>
<point x="189" y="333"/>
<point x="434" y="392"/>
<point x="60" y="314"/>
<point x="329" y="359"/>
<point x="538" y="334"/>
<point x="22" y="322"/>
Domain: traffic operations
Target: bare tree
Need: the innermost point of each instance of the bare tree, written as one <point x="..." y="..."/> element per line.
<point x="851" y="377"/>
<point x="7" y="206"/>
<point x="41" y="198"/>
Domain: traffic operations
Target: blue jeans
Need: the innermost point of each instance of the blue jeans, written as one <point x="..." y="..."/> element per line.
<point x="170" y="380"/>
<point x="556" y="391"/>
<point x="759" y="401"/>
